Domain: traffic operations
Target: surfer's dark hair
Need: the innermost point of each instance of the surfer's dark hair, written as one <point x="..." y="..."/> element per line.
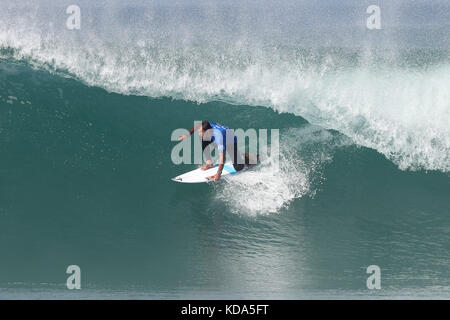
<point x="206" y="125"/>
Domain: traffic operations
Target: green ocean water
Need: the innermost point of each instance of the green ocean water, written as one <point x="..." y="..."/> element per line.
<point x="85" y="153"/>
<point x="85" y="180"/>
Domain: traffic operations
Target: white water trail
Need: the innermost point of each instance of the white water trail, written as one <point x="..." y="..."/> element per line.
<point x="276" y="182"/>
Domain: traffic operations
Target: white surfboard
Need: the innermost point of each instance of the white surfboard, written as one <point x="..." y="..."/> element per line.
<point x="198" y="175"/>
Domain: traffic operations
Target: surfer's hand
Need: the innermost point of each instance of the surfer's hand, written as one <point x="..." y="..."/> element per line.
<point x="216" y="176"/>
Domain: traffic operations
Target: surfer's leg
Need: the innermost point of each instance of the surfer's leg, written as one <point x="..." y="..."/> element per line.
<point x="251" y="160"/>
<point x="206" y="145"/>
<point x="238" y="160"/>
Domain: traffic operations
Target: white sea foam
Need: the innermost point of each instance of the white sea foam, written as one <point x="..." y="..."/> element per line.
<point x="275" y="183"/>
<point x="267" y="188"/>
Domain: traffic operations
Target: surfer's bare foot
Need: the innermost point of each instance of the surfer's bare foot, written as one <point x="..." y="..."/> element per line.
<point x="206" y="166"/>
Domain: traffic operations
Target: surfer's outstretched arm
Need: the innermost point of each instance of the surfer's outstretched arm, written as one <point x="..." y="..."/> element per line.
<point x="194" y="127"/>
<point x="191" y="131"/>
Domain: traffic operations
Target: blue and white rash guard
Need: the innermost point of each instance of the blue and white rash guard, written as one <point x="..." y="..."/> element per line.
<point x="221" y="136"/>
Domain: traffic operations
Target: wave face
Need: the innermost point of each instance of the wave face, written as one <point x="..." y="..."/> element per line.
<point x="85" y="178"/>
<point x="388" y="90"/>
<point x="85" y="123"/>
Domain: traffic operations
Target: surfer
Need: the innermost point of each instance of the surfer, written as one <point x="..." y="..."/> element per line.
<point x="222" y="138"/>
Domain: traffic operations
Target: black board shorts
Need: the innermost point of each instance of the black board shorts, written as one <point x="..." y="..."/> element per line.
<point x="237" y="166"/>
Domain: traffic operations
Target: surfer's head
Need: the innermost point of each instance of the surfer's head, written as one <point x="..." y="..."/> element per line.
<point x="204" y="128"/>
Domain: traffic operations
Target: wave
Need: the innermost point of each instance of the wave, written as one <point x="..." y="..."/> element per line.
<point x="396" y="101"/>
<point x="288" y="172"/>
